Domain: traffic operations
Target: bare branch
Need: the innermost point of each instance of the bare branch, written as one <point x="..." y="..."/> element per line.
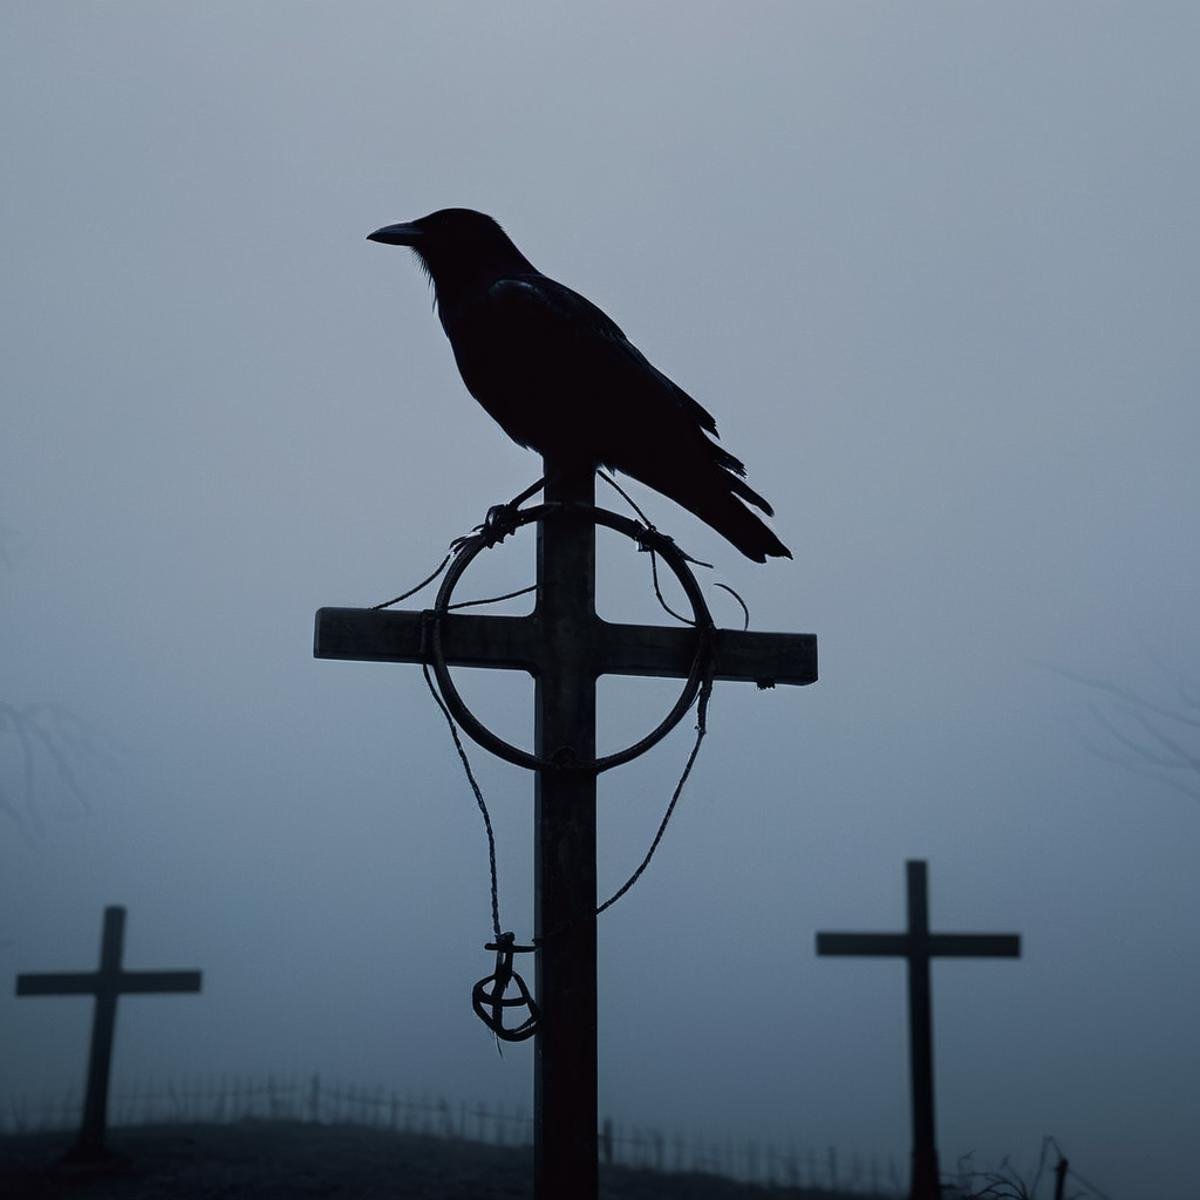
<point x="48" y="734"/>
<point x="1142" y="753"/>
<point x="1141" y="768"/>
<point x="1190" y="760"/>
<point x="1134" y="724"/>
<point x="1184" y="687"/>
<point x="1121" y="693"/>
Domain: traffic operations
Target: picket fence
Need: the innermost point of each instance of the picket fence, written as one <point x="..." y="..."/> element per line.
<point x="312" y="1098"/>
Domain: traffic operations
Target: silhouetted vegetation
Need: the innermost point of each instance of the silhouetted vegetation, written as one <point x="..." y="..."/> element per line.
<point x="1159" y="736"/>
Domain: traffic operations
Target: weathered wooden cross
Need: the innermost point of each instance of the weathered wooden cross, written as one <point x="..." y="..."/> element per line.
<point x="106" y="984"/>
<point x="918" y="945"/>
<point x="565" y="646"/>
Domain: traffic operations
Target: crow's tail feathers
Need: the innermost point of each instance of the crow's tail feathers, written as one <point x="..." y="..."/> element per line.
<point x="712" y="494"/>
<point x="747" y="493"/>
<point x="736" y="477"/>
<point x="735" y="522"/>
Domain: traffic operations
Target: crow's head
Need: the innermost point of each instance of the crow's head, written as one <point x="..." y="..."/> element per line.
<point x="455" y="243"/>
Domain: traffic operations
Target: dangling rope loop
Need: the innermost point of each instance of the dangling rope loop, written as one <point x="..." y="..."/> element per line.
<point x="488" y="997"/>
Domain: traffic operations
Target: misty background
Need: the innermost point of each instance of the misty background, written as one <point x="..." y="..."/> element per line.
<point x="934" y="269"/>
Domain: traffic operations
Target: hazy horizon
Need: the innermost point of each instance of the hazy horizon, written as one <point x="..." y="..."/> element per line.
<point x="932" y="267"/>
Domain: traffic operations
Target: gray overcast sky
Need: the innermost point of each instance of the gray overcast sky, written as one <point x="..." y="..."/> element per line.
<point x="934" y="268"/>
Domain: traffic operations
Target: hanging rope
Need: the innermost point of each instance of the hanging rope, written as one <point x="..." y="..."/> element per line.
<point x="483" y="808"/>
<point x="701" y="731"/>
<point x="494" y="599"/>
<point x="612" y="483"/>
<point x="745" y="611"/>
<point x="489" y="997"/>
<point x="424" y="583"/>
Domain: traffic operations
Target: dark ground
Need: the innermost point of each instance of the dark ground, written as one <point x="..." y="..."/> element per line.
<point x="282" y="1160"/>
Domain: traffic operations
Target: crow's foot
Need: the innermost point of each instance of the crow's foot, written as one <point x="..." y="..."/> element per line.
<point x="500" y="521"/>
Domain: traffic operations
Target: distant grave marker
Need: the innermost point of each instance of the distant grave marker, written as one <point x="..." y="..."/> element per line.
<point x="106" y="984"/>
<point x="918" y="946"/>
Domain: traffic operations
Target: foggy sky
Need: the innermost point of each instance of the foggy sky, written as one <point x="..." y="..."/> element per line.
<point x="933" y="267"/>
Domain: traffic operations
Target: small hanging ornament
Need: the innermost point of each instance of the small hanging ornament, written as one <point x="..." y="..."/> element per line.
<point x="488" y="997"/>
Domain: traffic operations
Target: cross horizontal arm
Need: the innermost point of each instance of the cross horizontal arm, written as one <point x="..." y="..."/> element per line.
<point x="517" y="643"/>
<point x="865" y="944"/>
<point x="60" y="984"/>
<point x="158" y="981"/>
<point x="975" y="945"/>
<point x="382" y="635"/>
<point x="936" y="945"/>
<point x="92" y="983"/>
<point x="659" y="650"/>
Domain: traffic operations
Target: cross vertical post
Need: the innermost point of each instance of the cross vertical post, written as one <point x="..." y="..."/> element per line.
<point x="565" y="1068"/>
<point x="566" y="647"/>
<point x="918" y="946"/>
<point x="926" y="1172"/>
<point x="95" y="1104"/>
<point x="106" y="984"/>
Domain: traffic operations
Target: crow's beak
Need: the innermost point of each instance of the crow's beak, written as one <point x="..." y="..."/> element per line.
<point x="397" y="235"/>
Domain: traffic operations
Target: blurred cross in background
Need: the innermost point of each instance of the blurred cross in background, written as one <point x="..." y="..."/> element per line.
<point x="106" y="984"/>
<point x="918" y="946"/>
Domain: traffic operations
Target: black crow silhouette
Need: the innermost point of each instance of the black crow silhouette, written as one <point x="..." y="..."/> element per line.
<point x="561" y="378"/>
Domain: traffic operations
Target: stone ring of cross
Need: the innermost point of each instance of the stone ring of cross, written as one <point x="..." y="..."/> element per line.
<point x="647" y="538"/>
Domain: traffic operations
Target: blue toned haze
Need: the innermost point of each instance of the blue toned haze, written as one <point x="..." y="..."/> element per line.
<point x="934" y="269"/>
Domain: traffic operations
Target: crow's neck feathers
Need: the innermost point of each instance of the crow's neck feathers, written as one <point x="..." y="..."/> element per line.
<point x="459" y="267"/>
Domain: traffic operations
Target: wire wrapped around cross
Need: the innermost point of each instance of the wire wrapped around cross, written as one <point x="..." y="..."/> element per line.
<point x="491" y="997"/>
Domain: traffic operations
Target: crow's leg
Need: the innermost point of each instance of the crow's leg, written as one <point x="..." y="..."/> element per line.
<point x="517" y="501"/>
<point x="499" y="521"/>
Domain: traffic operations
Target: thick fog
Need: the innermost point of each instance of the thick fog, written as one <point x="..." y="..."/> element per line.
<point x="934" y="269"/>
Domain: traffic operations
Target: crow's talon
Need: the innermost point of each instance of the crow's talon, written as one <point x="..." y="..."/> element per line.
<point x="500" y="521"/>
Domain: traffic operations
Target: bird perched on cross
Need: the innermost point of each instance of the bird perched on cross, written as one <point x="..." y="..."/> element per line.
<point x="561" y="377"/>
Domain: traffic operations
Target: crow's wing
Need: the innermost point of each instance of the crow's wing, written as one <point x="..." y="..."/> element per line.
<point x="565" y="354"/>
<point x="561" y="377"/>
